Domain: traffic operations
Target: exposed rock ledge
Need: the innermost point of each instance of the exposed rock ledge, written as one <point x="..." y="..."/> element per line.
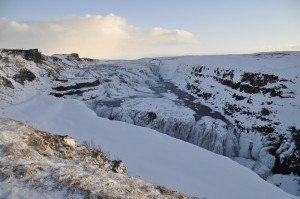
<point x="35" y="164"/>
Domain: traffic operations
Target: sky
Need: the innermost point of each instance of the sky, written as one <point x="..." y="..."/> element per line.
<point x="130" y="29"/>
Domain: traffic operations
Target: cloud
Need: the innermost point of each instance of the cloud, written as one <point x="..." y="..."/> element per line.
<point x="293" y="47"/>
<point x="164" y="36"/>
<point x="107" y="37"/>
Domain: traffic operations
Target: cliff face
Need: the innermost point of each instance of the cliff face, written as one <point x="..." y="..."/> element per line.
<point x="257" y="93"/>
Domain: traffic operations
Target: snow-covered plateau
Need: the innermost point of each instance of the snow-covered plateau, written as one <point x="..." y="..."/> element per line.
<point x="244" y="107"/>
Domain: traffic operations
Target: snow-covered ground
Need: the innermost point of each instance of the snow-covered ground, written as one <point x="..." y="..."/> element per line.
<point x="36" y="164"/>
<point x="149" y="155"/>
<point x="287" y="183"/>
<point x="245" y="107"/>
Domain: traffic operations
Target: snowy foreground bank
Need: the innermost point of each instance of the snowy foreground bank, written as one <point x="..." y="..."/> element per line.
<point x="36" y="164"/>
<point x="149" y="155"/>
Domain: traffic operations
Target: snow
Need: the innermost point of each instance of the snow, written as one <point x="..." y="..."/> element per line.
<point x="288" y="183"/>
<point x="15" y="190"/>
<point x="71" y="142"/>
<point x="170" y="96"/>
<point x="245" y="162"/>
<point x="149" y="155"/>
<point x="38" y="164"/>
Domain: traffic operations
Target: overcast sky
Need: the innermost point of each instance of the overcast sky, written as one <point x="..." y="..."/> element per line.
<point x="128" y="29"/>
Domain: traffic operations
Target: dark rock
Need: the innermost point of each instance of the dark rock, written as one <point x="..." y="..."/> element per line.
<point x="265" y="111"/>
<point x="263" y="118"/>
<point x="229" y="83"/>
<point x="56" y="59"/>
<point x="296" y="136"/>
<point x="152" y="116"/>
<point x="74" y="55"/>
<point x="228" y="73"/>
<point x="246" y="112"/>
<point x="274" y="93"/>
<point x="194" y="89"/>
<point x="204" y="95"/>
<point x="118" y="167"/>
<point x="249" y="101"/>
<point x="264" y="129"/>
<point x="60" y="80"/>
<point x="72" y="92"/>
<point x="31" y="54"/>
<point x="87" y="59"/>
<point x="290" y="164"/>
<point x="6" y="82"/>
<point x="249" y="89"/>
<point x="24" y="75"/>
<point x="78" y="86"/>
<point x="238" y="97"/>
<point x="253" y="83"/>
<point x="230" y="109"/>
<point x="258" y="79"/>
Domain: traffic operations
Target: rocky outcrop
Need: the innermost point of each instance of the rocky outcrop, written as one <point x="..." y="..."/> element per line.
<point x="77" y="86"/>
<point x="24" y="75"/>
<point x="30" y="55"/>
<point x="286" y="150"/>
<point x="76" y="89"/>
<point x="6" y="82"/>
<point x="250" y="83"/>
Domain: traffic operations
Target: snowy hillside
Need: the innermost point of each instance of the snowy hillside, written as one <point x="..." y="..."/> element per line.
<point x="37" y="164"/>
<point x="245" y="107"/>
